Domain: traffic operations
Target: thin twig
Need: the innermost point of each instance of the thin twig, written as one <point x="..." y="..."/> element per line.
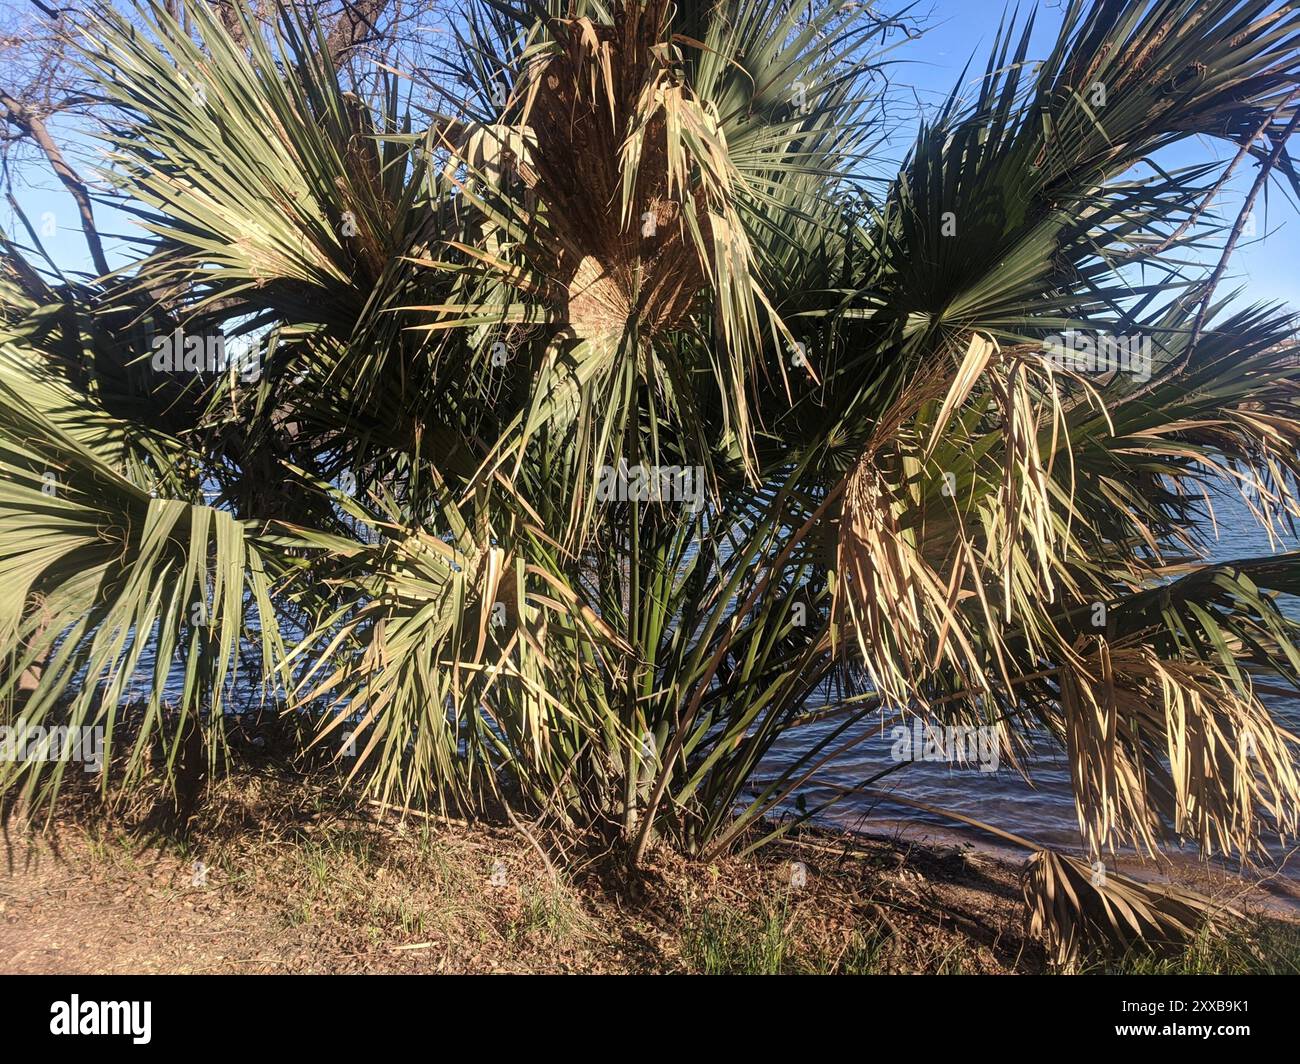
<point x="1265" y="170"/>
<point x="406" y="810"/>
<point x="1210" y="196"/>
<point x="555" y="876"/>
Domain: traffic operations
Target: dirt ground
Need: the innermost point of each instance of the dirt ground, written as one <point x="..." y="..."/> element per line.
<point x="273" y="878"/>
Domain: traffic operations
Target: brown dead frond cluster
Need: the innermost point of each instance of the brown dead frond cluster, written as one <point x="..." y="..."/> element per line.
<point x="960" y="573"/>
<point x="940" y="555"/>
<point x="611" y="142"/>
<point x="1073" y="907"/>
<point x="1158" y="746"/>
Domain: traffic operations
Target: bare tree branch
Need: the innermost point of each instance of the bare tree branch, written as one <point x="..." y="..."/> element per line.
<point x="34" y="126"/>
<point x="1279" y="146"/>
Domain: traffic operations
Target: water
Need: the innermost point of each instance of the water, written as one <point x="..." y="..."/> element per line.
<point x="1042" y="811"/>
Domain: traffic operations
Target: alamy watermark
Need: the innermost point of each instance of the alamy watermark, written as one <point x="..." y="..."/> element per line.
<point x="181" y="352"/>
<point x="964" y="743"/>
<point x="642" y="483"/>
<point x="1083" y="353"/>
<point x="77" y="1017"/>
<point x="25" y="742"/>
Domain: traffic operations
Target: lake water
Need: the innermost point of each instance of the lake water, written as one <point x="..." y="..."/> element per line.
<point x="1042" y="811"/>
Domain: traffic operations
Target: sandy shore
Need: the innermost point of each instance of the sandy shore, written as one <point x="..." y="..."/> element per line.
<point x="1273" y="889"/>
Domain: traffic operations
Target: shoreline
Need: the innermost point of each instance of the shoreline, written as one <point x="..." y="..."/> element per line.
<point x="1277" y="890"/>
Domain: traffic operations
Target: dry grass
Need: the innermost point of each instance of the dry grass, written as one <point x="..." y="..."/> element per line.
<point x="297" y="883"/>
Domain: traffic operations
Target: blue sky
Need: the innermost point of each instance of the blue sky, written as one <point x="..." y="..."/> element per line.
<point x="1266" y="267"/>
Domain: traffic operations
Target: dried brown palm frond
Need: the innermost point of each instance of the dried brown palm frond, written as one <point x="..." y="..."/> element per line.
<point x="1073" y="907"/>
<point x="1158" y="745"/>
<point x="969" y="574"/>
<point x="951" y="533"/>
<point x="945" y="589"/>
<point x="602" y="120"/>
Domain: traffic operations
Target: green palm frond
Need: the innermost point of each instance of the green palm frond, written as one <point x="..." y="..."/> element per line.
<point x="104" y="581"/>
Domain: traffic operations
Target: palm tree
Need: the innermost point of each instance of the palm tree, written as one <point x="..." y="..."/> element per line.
<point x="642" y="237"/>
